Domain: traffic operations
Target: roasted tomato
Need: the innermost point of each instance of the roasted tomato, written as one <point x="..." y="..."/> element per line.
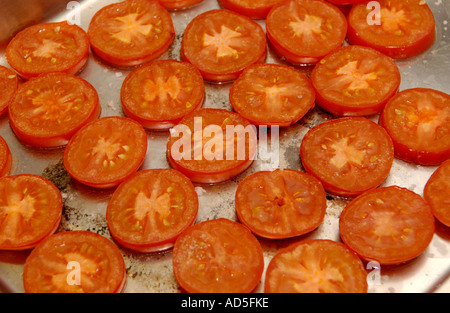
<point x="178" y="4"/>
<point x="255" y="9"/>
<point x="437" y="193"/>
<point x="418" y="121"/>
<point x="48" y="47"/>
<point x="5" y="158"/>
<point x="8" y="85"/>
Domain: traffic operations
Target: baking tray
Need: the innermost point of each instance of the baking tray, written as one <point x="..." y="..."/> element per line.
<point x="84" y="207"/>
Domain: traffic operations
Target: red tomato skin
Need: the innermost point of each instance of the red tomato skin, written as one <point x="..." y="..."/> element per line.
<point x="6" y="166"/>
<point x="440" y="210"/>
<point x="253" y="13"/>
<point x="173" y="5"/>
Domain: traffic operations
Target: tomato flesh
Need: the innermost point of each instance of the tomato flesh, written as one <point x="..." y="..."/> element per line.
<point x="407" y="28"/>
<point x="270" y="94"/>
<point x="57" y="263"/>
<point x="436" y="193"/>
<point x="355" y="81"/>
<point x="418" y="121"/>
<point x="316" y="266"/>
<point x="255" y="9"/>
<point x="390" y="225"/>
<point x="30" y="210"/>
<point x="348" y="155"/>
<point x="106" y="151"/>
<point x="178" y="4"/>
<point x="149" y="211"/>
<point x="211" y="145"/>
<point x="218" y="256"/>
<point x="160" y="94"/>
<point x="8" y="84"/>
<point x="304" y="31"/>
<point x="222" y="43"/>
<point x="48" y="47"/>
<point x="131" y="33"/>
<point x="5" y="158"/>
<point x="280" y="204"/>
<point x="47" y="110"/>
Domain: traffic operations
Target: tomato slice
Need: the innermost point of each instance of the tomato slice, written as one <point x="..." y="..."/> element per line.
<point x="270" y="94"/>
<point x="222" y="43"/>
<point x="218" y="256"/>
<point x="48" y="110"/>
<point x="211" y="145"/>
<point x="8" y="85"/>
<point x="151" y="209"/>
<point x="106" y="152"/>
<point x="280" y="204"/>
<point x="304" y="31"/>
<point x="348" y="155"/>
<point x="255" y="9"/>
<point x="178" y="4"/>
<point x="316" y="266"/>
<point x="347" y="2"/>
<point x="131" y="33"/>
<point x="355" y="81"/>
<point x="75" y="262"/>
<point x="159" y="94"/>
<point x="418" y="120"/>
<point x="390" y="225"/>
<point x="48" y="47"/>
<point x="407" y="28"/>
<point x="5" y="158"/>
<point x="436" y="193"/>
<point x="30" y="210"/>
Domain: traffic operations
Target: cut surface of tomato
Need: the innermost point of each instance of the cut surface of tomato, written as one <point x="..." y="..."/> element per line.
<point x="30" y="210"/>
<point x="390" y="225"/>
<point x="255" y="9"/>
<point x="75" y="262"/>
<point x="8" y="85"/>
<point x="355" y="81"/>
<point x="131" y="33"/>
<point x="304" y="31"/>
<point x="418" y="121"/>
<point x="222" y="43"/>
<point x="151" y="209"/>
<point x="218" y="256"/>
<point x="271" y="94"/>
<point x="348" y="155"/>
<point x="5" y="158"/>
<point x="212" y="145"/>
<point x="159" y="94"/>
<point x="437" y="191"/>
<point x="48" y="47"/>
<point x="280" y="204"/>
<point x="46" y="111"/>
<point x="316" y="266"/>
<point x="106" y="152"/>
<point x="407" y="28"/>
<point x="178" y="4"/>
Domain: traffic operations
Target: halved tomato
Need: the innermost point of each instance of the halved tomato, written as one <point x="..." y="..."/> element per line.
<point x="48" y="47"/>
<point x="348" y="155"/>
<point x="407" y="28"/>
<point x="389" y="225"/>
<point x="418" y="121"/>
<point x="437" y="191"/>
<point x="30" y="210"/>
<point x="131" y="33"/>
<point x="355" y="81"/>
<point x="151" y="209"/>
<point x="159" y="94"/>
<point x="105" y="152"/>
<point x="75" y="262"/>
<point x="346" y="2"/>
<point x="271" y="94"/>
<point x="280" y="204"/>
<point x="218" y="256"/>
<point x="8" y="85"/>
<point x="212" y="145"/>
<point x="316" y="266"/>
<point x="222" y="43"/>
<point x="304" y="31"/>
<point x="48" y="110"/>
<point x="255" y="9"/>
<point x="178" y="4"/>
<point x="5" y="158"/>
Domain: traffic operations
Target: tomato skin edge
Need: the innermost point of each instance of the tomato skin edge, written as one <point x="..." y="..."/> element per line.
<point x="253" y="13"/>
